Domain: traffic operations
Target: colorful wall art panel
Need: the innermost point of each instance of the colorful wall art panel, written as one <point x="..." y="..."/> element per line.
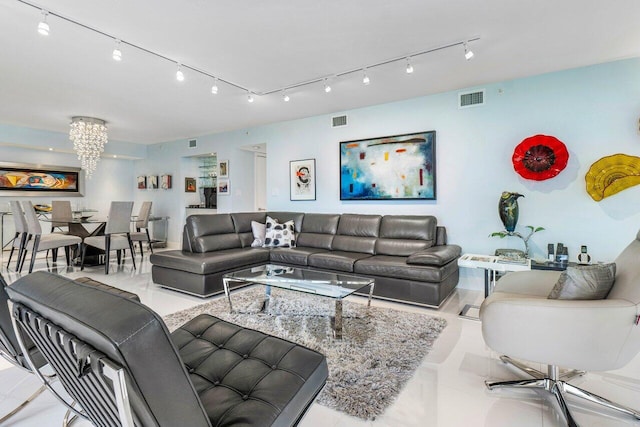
<point x="20" y="179"/>
<point x="390" y="167"/>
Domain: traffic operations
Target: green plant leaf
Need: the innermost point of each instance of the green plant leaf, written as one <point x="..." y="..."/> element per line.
<point x="500" y="234"/>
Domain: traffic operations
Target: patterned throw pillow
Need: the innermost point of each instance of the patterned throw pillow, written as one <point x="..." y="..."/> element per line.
<point x="585" y="282"/>
<point x="279" y="235"/>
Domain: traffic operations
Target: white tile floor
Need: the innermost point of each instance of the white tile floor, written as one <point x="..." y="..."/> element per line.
<point x="447" y="389"/>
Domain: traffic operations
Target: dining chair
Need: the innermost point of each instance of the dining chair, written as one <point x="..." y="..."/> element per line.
<point x="142" y="222"/>
<point x="37" y="242"/>
<point x="60" y="210"/>
<point x="117" y="235"/>
<point x="20" y="224"/>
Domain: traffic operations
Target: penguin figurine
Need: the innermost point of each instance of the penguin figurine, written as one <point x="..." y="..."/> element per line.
<point x="508" y="210"/>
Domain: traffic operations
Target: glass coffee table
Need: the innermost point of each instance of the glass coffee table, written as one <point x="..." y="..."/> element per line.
<point x="331" y="285"/>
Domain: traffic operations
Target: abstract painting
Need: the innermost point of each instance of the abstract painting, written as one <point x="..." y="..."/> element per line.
<point x="302" y="175"/>
<point x="223" y="187"/>
<point x="20" y="179"/>
<point x="391" y="167"/>
<point x="142" y="182"/>
<point x="166" y="182"/>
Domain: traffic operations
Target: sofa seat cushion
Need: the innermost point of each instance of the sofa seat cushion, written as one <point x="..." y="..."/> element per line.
<point x="336" y="260"/>
<point x="245" y="377"/>
<point x="296" y="256"/>
<point x="212" y="262"/>
<point x="397" y="267"/>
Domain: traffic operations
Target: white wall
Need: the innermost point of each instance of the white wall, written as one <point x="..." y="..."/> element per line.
<point x="593" y="110"/>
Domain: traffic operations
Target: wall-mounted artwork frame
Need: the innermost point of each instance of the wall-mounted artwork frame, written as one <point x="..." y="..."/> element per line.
<point x="153" y="182"/>
<point x="24" y="179"/>
<point x="224" y="187"/>
<point x="189" y="185"/>
<point x="165" y="182"/>
<point x="302" y="178"/>
<point x="398" y="167"/>
<point x="142" y="182"/>
<point x="223" y="168"/>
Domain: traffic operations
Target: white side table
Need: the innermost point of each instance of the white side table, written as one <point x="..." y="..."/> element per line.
<point x="492" y="265"/>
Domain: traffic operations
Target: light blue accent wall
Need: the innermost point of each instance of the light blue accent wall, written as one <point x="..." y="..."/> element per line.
<point x="594" y="110"/>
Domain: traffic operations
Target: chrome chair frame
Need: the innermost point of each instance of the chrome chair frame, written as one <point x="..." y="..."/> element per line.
<point x="80" y="367"/>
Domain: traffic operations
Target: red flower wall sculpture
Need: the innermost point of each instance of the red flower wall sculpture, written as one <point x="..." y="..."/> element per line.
<point x="540" y="157"/>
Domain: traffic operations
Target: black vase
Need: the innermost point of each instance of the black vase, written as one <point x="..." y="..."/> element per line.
<point x="508" y="210"/>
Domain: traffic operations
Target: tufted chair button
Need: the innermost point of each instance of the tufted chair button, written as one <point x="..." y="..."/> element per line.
<point x="216" y="383"/>
<point x="246" y="356"/>
<point x="199" y="336"/>
<point x="245" y="397"/>
<point x="274" y="367"/>
<point x="191" y="370"/>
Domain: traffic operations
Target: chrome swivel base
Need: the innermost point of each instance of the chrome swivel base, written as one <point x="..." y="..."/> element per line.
<point x="555" y="383"/>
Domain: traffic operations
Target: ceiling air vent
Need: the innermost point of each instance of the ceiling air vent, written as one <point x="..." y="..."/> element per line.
<point x="338" y="121"/>
<point x="471" y="99"/>
<point x="193" y="143"/>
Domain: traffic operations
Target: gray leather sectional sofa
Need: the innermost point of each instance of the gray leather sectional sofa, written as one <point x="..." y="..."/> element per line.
<point x="408" y="256"/>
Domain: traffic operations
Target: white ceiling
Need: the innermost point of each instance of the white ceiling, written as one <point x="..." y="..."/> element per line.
<point x="264" y="45"/>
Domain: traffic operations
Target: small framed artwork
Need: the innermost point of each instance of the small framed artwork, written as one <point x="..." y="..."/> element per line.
<point x="189" y="185"/>
<point x="142" y="182"/>
<point x="153" y="182"/>
<point x="302" y="175"/>
<point x="165" y="183"/>
<point x="223" y="169"/>
<point x="223" y="187"/>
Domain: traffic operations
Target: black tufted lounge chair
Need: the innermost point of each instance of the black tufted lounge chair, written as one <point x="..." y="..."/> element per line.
<point x="116" y="358"/>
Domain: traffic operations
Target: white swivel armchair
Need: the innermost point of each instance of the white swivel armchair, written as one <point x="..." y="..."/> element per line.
<point x="518" y="320"/>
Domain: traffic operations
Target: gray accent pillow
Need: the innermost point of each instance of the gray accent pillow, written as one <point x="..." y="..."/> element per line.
<point x="258" y="229"/>
<point x="585" y="282"/>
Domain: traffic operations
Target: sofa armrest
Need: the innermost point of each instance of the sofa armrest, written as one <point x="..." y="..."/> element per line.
<point x="435" y="255"/>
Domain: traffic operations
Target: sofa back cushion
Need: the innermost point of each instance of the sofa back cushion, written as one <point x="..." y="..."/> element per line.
<point x="318" y="230"/>
<point x="357" y="233"/>
<point x="242" y="225"/>
<point x="402" y="235"/>
<point x="209" y="233"/>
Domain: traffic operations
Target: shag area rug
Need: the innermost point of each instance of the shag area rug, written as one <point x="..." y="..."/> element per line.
<point x="378" y="354"/>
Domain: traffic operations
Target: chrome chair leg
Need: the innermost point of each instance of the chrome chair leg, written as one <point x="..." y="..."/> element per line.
<point x="23" y="404"/>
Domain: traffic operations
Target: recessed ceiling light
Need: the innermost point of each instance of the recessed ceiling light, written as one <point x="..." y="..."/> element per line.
<point x="327" y="88"/>
<point x="50" y="149"/>
<point x="250" y="98"/>
<point x="214" y="88"/>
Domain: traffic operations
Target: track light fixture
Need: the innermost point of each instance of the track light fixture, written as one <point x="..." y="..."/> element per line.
<point x="179" y="74"/>
<point x="365" y="77"/>
<point x="468" y="53"/>
<point x="409" y="68"/>
<point x="43" y="26"/>
<point x="117" y="53"/>
<point x="285" y="97"/>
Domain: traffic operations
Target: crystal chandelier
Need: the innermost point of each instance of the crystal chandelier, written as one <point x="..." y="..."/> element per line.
<point x="89" y="136"/>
